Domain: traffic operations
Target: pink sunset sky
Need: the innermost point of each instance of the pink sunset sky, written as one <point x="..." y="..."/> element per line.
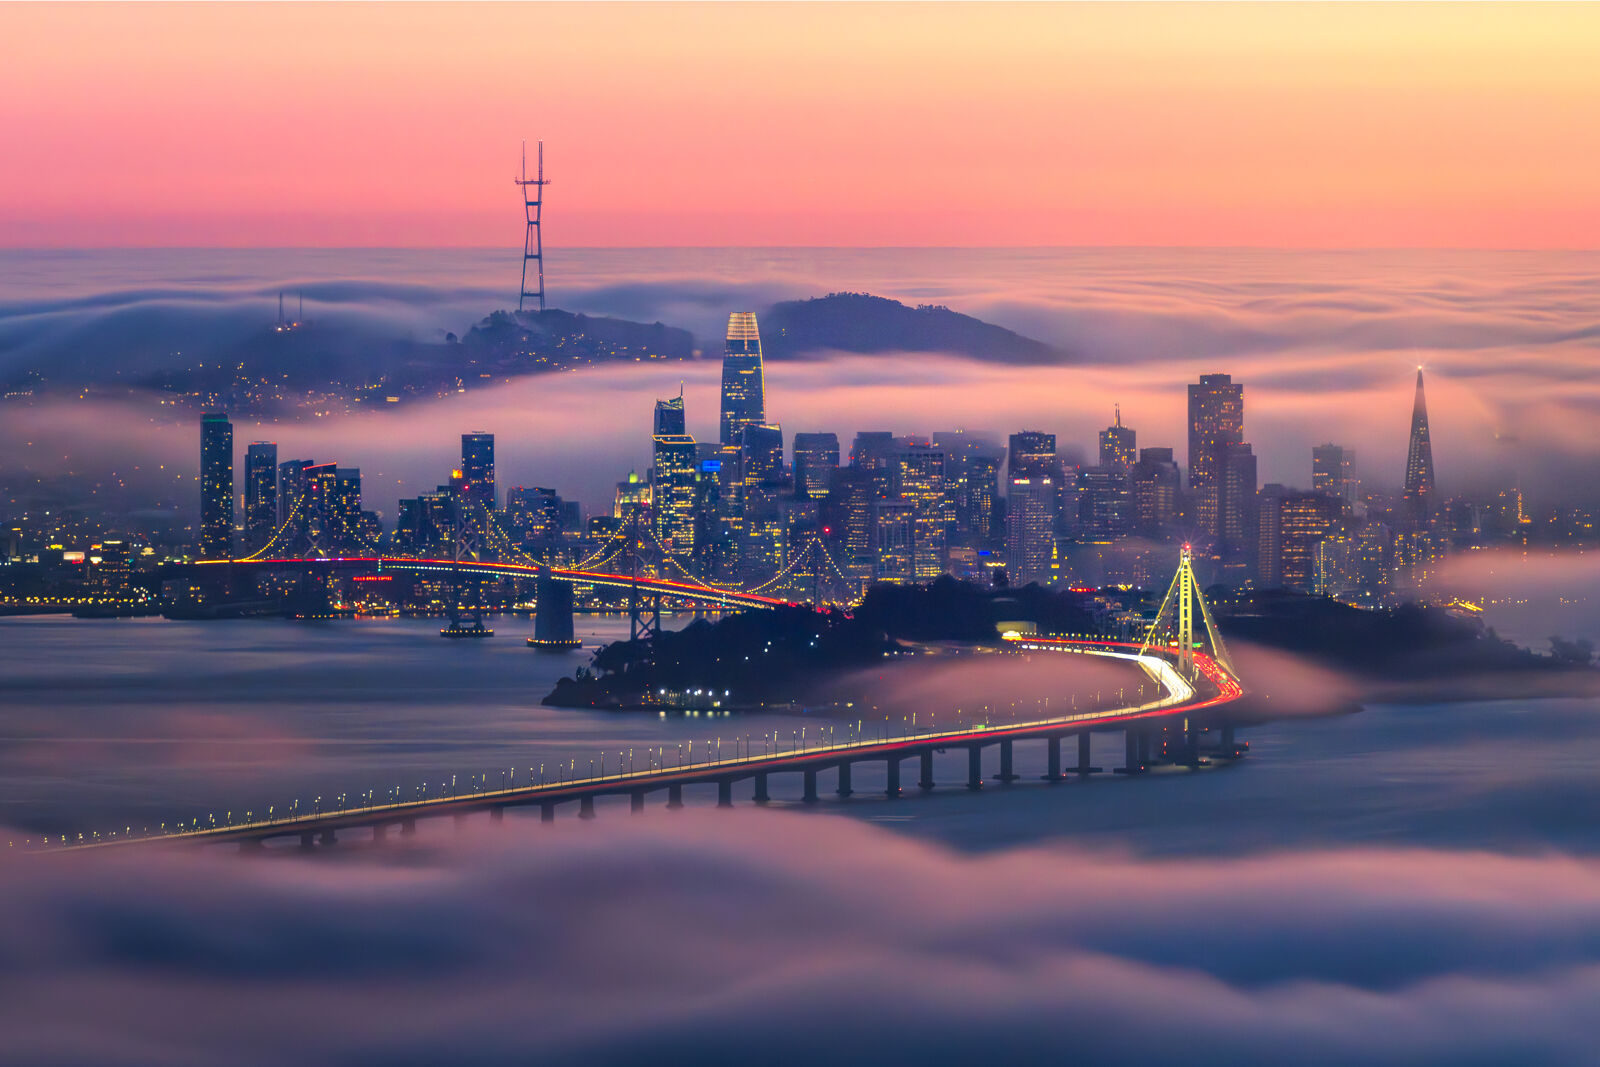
<point x="671" y="124"/>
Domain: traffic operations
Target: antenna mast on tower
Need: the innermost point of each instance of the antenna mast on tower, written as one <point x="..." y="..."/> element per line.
<point x="533" y="243"/>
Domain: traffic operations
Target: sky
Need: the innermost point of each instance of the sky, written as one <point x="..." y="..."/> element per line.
<point x="1349" y="126"/>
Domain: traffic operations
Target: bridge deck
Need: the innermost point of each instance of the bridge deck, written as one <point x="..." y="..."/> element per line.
<point x="1180" y="699"/>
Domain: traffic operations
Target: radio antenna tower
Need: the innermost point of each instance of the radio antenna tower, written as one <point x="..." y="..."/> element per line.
<point x="533" y="243"/>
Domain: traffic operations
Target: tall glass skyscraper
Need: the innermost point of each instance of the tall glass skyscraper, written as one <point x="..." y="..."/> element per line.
<point x="744" y="401"/>
<point x="1419" y="462"/>
<point x="1216" y="422"/>
<point x="477" y="468"/>
<point x="816" y="457"/>
<point x="216" y="485"/>
<point x="260" y="493"/>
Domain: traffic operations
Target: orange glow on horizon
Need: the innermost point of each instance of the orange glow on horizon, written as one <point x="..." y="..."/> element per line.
<point x="672" y="124"/>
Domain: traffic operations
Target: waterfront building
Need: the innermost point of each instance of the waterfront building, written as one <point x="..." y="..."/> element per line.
<point x="477" y="469"/>
<point x="260" y="494"/>
<point x="216" y="485"/>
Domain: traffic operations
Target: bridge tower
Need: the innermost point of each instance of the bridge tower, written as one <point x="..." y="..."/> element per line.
<point x="467" y="535"/>
<point x="1174" y="624"/>
<point x="644" y="608"/>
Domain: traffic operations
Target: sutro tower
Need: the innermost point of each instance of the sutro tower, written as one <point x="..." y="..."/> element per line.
<point x="533" y="243"/>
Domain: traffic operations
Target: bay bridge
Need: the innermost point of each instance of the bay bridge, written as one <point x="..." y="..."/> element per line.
<point x="1187" y="723"/>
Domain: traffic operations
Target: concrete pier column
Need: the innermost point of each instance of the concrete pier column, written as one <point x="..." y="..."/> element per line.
<point x="636" y="801"/>
<point x="811" y="788"/>
<point x="1052" y="762"/>
<point x="1006" y="775"/>
<point x="379" y="833"/>
<point x="926" y="781"/>
<point x="674" y="796"/>
<point x="761" y="788"/>
<point x="498" y="813"/>
<point x="1228" y="744"/>
<point x="586" y="807"/>
<point x="893" y="772"/>
<point x="1132" y="745"/>
<point x="844" y="779"/>
<point x="974" y="766"/>
<point x="328" y="839"/>
<point x="408" y="827"/>
<point x="725" y="793"/>
<point x="1083" y="755"/>
<point x="1144" y="748"/>
<point x="547" y="812"/>
<point x="307" y="839"/>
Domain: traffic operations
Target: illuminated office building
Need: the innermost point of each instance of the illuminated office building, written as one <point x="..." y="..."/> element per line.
<point x="1030" y="526"/>
<point x="816" y="456"/>
<point x="1216" y="423"/>
<point x="743" y="389"/>
<point x="674" y="474"/>
<point x="1155" y="491"/>
<point x="669" y="418"/>
<point x="477" y="469"/>
<point x="922" y="484"/>
<point x="1419" y="488"/>
<point x="1117" y="446"/>
<point x="260" y="493"/>
<point x="216" y="485"/>
<point x="1332" y="472"/>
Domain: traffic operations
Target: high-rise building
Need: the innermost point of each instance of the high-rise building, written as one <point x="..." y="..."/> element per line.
<point x="633" y="495"/>
<point x="1216" y="421"/>
<point x="1031" y="452"/>
<point x="260" y="493"/>
<point x="1419" y="490"/>
<point x="761" y="455"/>
<point x="894" y="528"/>
<point x="674" y="474"/>
<point x="1155" y="491"/>
<point x="744" y="400"/>
<point x="1030" y="525"/>
<point x="922" y="484"/>
<point x="477" y="469"/>
<point x="982" y="517"/>
<point x="1226" y="503"/>
<point x="816" y="456"/>
<point x="1117" y="445"/>
<point x="1304" y="520"/>
<point x="1105" y="502"/>
<point x="346" y="522"/>
<point x="669" y="418"/>
<point x="1332" y="472"/>
<point x="216" y="485"/>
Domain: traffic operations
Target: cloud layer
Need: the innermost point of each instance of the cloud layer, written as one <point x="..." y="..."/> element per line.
<point x="719" y="937"/>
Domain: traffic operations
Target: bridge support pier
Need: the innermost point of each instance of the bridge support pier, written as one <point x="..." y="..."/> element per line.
<point x="674" y="796"/>
<point x="328" y="839"/>
<point x="408" y="827"/>
<point x="844" y="779"/>
<point x="1084" y="770"/>
<point x="1135" y="746"/>
<point x="307" y="840"/>
<point x="974" y="767"/>
<point x="636" y="801"/>
<point x="725" y="793"/>
<point x="498" y="813"/>
<point x="926" y="781"/>
<point x="380" y="833"/>
<point x="892" y="767"/>
<point x="810" y="796"/>
<point x="586" y="807"/>
<point x="1006" y="775"/>
<point x="761" y="788"/>
<point x="250" y="844"/>
<point x="1052" y="769"/>
<point x="547" y="812"/>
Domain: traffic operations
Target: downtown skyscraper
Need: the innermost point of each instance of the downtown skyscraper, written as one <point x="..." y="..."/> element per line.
<point x="744" y="401"/>
<point x="1419" y="492"/>
<point x="216" y="485"/>
<point x="260" y="493"/>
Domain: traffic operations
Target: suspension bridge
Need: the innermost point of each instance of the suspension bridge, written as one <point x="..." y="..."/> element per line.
<point x="1185" y="724"/>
